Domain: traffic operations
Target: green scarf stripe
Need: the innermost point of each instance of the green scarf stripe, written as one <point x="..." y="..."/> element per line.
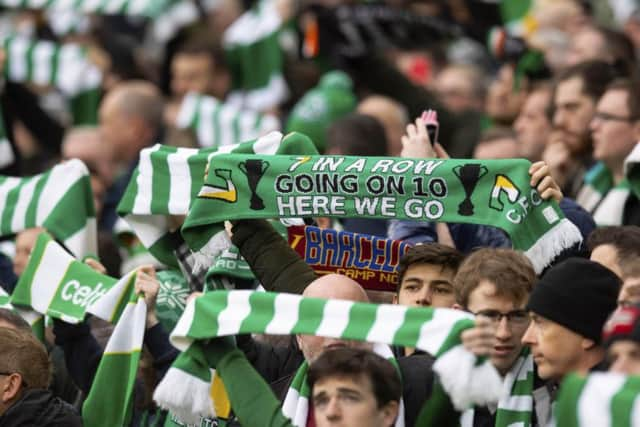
<point x="266" y="53"/>
<point x="267" y="310"/>
<point x="30" y="219"/>
<point x="366" y="319"/>
<point x="10" y="206"/>
<point x="489" y="192"/>
<point x="565" y="409"/>
<point x="453" y="338"/>
<point x="410" y="329"/>
<point x="162" y="182"/>
<point x="22" y="294"/>
<point x="314" y="310"/>
<point x="194" y="123"/>
<point x="623" y="402"/>
<point x="72" y="211"/>
<point x="30" y="64"/>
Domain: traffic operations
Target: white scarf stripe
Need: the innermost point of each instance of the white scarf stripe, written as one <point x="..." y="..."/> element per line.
<point x="594" y="403"/>
<point x="205" y="121"/>
<point x="24" y="199"/>
<point x="387" y="323"/>
<point x="53" y="267"/>
<point x="132" y="320"/>
<point x="188" y="109"/>
<point x="335" y="318"/>
<point x="434" y="333"/>
<point x="42" y="55"/>
<point x="517" y="403"/>
<point x="18" y="68"/>
<point x="286" y="313"/>
<point x="238" y="308"/>
<point x="142" y="203"/>
<point x="180" y="178"/>
<point x="57" y="186"/>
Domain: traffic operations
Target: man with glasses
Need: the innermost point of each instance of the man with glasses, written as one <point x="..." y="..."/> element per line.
<point x="494" y="284"/>
<point x="615" y="131"/>
<point x="24" y="377"/>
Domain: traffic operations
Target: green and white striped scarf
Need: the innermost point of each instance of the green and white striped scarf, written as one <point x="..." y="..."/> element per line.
<point x="35" y="320"/>
<point x="489" y="192"/>
<point x="184" y="390"/>
<point x="604" y="200"/>
<point x="148" y="8"/>
<point x="7" y="156"/>
<point x="65" y="67"/>
<point x="56" y="284"/>
<point x="60" y="200"/>
<point x="516" y="404"/>
<point x="255" y="58"/>
<point x="600" y="399"/>
<point x="167" y="179"/>
<point x="110" y="400"/>
<point x="218" y="124"/>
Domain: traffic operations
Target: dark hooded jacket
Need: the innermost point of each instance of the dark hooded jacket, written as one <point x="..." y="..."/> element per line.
<point x="40" y="408"/>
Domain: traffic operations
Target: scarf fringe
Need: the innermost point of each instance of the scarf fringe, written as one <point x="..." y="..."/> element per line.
<point x="466" y="383"/>
<point x="552" y="243"/>
<point x="185" y="395"/>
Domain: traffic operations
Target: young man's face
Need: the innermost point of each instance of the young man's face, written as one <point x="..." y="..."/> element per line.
<point x="426" y="285"/>
<point x="350" y="402"/>
<point x="484" y="302"/>
<point x="624" y="357"/>
<point x="556" y="350"/>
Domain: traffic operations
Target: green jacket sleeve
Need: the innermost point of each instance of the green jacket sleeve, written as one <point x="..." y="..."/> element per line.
<point x="274" y="263"/>
<point x="252" y="400"/>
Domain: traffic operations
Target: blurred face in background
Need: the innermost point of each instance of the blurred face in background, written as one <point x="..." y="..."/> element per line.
<point x="573" y="111"/>
<point x="533" y="126"/>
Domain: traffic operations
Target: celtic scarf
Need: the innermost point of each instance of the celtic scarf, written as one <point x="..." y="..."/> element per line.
<point x="167" y="179"/>
<point x="600" y="399"/>
<point x="65" y="67"/>
<point x="218" y="124"/>
<point x="516" y="404"/>
<point x="55" y="284"/>
<point x="60" y="200"/>
<point x="604" y="200"/>
<point x="110" y="400"/>
<point x="490" y="192"/>
<point x="35" y="320"/>
<point x="255" y="59"/>
<point x="184" y="390"/>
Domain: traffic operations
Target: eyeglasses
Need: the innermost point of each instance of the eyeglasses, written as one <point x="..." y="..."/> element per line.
<point x="515" y="317"/>
<point x="606" y="117"/>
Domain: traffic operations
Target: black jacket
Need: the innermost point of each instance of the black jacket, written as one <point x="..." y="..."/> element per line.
<point x="40" y="408"/>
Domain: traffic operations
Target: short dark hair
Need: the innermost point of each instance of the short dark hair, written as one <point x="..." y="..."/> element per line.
<point x="355" y="362"/>
<point x="357" y="135"/>
<point x="431" y="253"/>
<point x="632" y="89"/>
<point x="510" y="271"/>
<point x="595" y="76"/>
<point x="23" y="354"/>
<point x="626" y="240"/>
<point x="14" y="319"/>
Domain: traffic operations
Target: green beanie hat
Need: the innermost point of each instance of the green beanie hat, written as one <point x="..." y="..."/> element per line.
<point x="331" y="99"/>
